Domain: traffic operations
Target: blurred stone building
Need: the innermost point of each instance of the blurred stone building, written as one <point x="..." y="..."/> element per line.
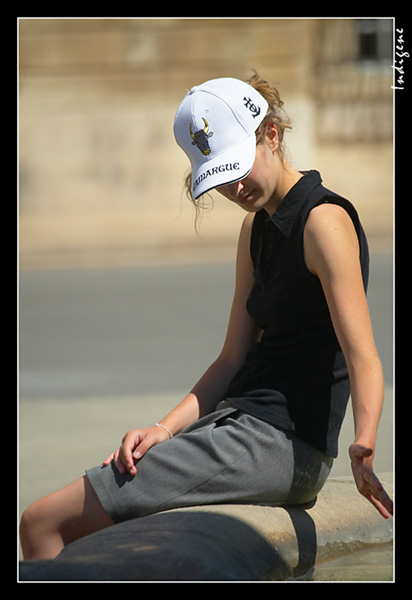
<point x="101" y="177"/>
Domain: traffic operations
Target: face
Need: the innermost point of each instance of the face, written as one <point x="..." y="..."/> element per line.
<point x="258" y="189"/>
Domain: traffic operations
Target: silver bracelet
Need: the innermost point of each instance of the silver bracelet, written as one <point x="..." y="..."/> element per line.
<point x="165" y="428"/>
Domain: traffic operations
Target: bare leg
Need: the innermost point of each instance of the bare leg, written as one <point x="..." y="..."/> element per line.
<point x="59" y="518"/>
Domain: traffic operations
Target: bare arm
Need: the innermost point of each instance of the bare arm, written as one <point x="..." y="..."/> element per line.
<point x="332" y="253"/>
<point x="212" y="386"/>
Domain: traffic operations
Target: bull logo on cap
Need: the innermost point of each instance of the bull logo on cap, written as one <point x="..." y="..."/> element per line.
<point x="200" y="138"/>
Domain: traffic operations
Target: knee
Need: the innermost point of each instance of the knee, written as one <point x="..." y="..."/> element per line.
<point x="28" y="519"/>
<point x="33" y="525"/>
<point x="28" y="522"/>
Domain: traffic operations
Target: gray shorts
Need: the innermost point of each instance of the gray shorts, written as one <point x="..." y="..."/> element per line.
<point x="226" y="457"/>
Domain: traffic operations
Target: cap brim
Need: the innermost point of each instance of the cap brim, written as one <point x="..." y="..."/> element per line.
<point x="228" y="167"/>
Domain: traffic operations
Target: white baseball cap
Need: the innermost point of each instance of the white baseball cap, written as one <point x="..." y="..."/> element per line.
<point x="215" y="125"/>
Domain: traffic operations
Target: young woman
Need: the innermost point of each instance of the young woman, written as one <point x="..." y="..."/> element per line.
<point x="262" y="424"/>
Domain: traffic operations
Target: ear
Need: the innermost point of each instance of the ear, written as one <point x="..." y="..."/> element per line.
<point x="272" y="138"/>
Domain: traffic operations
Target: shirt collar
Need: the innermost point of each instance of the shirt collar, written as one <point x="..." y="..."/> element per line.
<point x="285" y="215"/>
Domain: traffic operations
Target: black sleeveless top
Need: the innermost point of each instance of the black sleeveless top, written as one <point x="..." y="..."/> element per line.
<point x="296" y="376"/>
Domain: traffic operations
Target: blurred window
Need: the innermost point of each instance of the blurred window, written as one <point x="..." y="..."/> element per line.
<point x="375" y="41"/>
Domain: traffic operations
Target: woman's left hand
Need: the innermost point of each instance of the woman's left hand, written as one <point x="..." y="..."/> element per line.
<point x="367" y="482"/>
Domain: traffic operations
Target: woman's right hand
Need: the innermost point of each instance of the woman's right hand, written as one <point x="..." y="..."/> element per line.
<point x="134" y="446"/>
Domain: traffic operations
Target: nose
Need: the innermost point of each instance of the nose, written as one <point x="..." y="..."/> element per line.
<point x="234" y="189"/>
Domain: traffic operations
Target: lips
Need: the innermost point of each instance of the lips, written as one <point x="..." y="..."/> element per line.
<point x="245" y="198"/>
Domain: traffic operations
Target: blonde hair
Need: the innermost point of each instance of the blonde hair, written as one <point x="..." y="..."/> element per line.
<point x="275" y="115"/>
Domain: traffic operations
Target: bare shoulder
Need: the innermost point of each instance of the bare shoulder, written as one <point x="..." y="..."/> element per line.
<point x="328" y="214"/>
<point x="248" y="222"/>
<point x="329" y="221"/>
<point x="245" y="232"/>
<point x="244" y="264"/>
<point x="329" y="236"/>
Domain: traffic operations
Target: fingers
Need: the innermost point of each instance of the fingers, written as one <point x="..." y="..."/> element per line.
<point x="366" y="481"/>
<point x="125" y="459"/>
<point x="134" y="446"/>
<point x="373" y="490"/>
<point x="381" y="500"/>
<point x="108" y="460"/>
<point x="383" y="506"/>
<point x="114" y="457"/>
<point x="142" y="448"/>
